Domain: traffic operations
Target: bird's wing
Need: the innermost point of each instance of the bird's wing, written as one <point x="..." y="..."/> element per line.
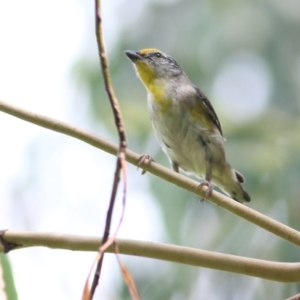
<point x="204" y="107"/>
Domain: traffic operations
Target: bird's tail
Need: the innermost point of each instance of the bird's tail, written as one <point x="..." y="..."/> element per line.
<point x="232" y="185"/>
<point x="239" y="194"/>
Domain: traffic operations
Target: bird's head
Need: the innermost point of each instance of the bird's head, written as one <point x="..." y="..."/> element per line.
<point x="152" y="64"/>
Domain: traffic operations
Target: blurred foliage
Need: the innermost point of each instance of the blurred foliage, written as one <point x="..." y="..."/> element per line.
<point x="7" y="277"/>
<point x="201" y="36"/>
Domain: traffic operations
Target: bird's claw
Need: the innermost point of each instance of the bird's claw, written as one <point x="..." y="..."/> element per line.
<point x="209" y="190"/>
<point x="142" y="159"/>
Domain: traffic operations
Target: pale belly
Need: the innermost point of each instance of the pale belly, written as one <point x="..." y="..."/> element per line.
<point x="187" y="143"/>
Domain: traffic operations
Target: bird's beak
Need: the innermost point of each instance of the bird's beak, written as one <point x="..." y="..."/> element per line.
<point x="133" y="55"/>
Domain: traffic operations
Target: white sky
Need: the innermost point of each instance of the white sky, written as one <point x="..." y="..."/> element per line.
<point x="39" y="43"/>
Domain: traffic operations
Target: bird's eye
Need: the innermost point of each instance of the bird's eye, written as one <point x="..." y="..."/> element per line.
<point x="157" y="54"/>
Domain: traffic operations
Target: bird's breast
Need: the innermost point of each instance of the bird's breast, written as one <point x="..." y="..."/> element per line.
<point x="184" y="139"/>
<point x="158" y="102"/>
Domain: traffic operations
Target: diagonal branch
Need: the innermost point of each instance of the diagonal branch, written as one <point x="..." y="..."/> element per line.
<point x="276" y="271"/>
<point x="182" y="181"/>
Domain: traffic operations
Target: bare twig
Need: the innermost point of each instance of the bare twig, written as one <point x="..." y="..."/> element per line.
<point x="122" y="143"/>
<point x="106" y="229"/>
<point x="112" y="240"/>
<point x="182" y="181"/>
<point x="86" y="294"/>
<point x="135" y="295"/>
<point x="276" y="271"/>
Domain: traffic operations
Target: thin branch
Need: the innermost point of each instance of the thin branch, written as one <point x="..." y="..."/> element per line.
<point x="276" y="271"/>
<point x="182" y="181"/>
<point x="122" y="142"/>
<point x="107" y="80"/>
<point x="106" y="229"/>
<point x="134" y="293"/>
<point x="114" y="236"/>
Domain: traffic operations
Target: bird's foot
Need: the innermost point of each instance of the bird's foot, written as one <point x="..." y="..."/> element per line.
<point x="209" y="189"/>
<point x="142" y="159"/>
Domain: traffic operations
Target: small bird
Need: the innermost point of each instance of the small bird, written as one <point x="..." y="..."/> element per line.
<point x="185" y="123"/>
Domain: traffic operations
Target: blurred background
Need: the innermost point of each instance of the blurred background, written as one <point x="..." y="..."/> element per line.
<point x="244" y="55"/>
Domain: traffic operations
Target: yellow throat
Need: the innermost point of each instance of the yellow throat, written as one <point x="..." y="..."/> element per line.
<point x="153" y="85"/>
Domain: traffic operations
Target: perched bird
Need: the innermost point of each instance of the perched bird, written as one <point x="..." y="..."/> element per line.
<point x="185" y="123"/>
